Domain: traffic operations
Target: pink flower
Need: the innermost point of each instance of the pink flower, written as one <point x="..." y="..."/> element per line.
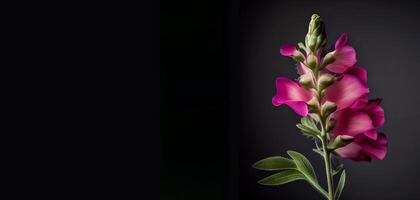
<point x="345" y="56"/>
<point x="361" y="124"/>
<point x="364" y="148"/>
<point x="345" y="91"/>
<point x="292" y="94"/>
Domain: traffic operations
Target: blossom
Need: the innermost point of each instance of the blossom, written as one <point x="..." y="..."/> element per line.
<point x="365" y="148"/>
<point x="292" y="94"/>
<point x="345" y="91"/>
<point x="344" y="56"/>
<point x="362" y="124"/>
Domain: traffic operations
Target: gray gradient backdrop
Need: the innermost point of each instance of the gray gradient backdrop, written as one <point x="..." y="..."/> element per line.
<point x="386" y="38"/>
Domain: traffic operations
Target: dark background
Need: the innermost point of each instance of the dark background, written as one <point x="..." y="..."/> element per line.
<point x="219" y="60"/>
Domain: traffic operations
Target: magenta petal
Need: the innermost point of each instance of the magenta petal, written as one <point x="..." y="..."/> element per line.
<point x="345" y="57"/>
<point x="345" y="91"/>
<point x="351" y="122"/>
<point x="287" y="50"/>
<point x="341" y="41"/>
<point x="375" y="148"/>
<point x="292" y="94"/>
<point x="359" y="72"/>
<point x="372" y="134"/>
<point x="299" y="107"/>
<point x="352" y="151"/>
<point x="360" y="103"/>
<point x="376" y="113"/>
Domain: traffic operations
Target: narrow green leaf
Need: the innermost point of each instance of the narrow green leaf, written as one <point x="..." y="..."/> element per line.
<point x="274" y="163"/>
<point x="338" y="169"/>
<point x="282" y="177"/>
<point x="340" y="185"/>
<point x="305" y="167"/>
<point x="308" y="131"/>
<point x="307" y="121"/>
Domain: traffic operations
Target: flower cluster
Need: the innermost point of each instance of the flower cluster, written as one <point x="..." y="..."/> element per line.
<point x="332" y="90"/>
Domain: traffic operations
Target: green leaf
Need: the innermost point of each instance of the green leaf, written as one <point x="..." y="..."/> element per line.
<point x="305" y="167"/>
<point x="274" y="163"/>
<point x="282" y="177"/>
<point x="308" y="131"/>
<point x="338" y="169"/>
<point x="307" y="121"/>
<point x="308" y="127"/>
<point x="340" y="185"/>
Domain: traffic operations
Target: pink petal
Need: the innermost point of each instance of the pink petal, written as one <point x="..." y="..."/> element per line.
<point x="376" y="113"/>
<point x="292" y="94"/>
<point x="374" y="148"/>
<point x="353" y="151"/>
<point x="345" y="57"/>
<point x="287" y="50"/>
<point x="345" y="91"/>
<point x="359" y="72"/>
<point x="341" y="41"/>
<point x="372" y="134"/>
<point x="351" y="122"/>
<point x="360" y="103"/>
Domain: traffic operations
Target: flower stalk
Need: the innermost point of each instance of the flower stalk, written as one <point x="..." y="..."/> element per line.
<point x="331" y="95"/>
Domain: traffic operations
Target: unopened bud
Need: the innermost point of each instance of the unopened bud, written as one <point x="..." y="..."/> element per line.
<point x="316" y="36"/>
<point x="327" y="108"/>
<point x="341" y="141"/>
<point x="325" y="80"/>
<point x="313" y="105"/>
<point x="306" y="81"/>
<point x="312" y="61"/>
<point x="298" y="56"/>
<point x="330" y="124"/>
<point x="328" y="59"/>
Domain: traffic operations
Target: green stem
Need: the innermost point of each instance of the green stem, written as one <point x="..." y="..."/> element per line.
<point x="327" y="159"/>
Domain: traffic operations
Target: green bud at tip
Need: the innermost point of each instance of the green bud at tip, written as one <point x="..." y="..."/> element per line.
<point x="325" y="80"/>
<point x="316" y="36"/>
<point x="327" y="108"/>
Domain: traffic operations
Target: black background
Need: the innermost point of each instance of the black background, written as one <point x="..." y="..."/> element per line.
<point x="219" y="60"/>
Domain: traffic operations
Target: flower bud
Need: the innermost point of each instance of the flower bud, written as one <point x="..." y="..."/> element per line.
<point x="328" y="59"/>
<point x="330" y="124"/>
<point x="325" y="80"/>
<point x="316" y="36"/>
<point x="312" y="61"/>
<point x="313" y="105"/>
<point x="327" y="108"/>
<point x="298" y="56"/>
<point x="341" y="141"/>
<point x="306" y="81"/>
